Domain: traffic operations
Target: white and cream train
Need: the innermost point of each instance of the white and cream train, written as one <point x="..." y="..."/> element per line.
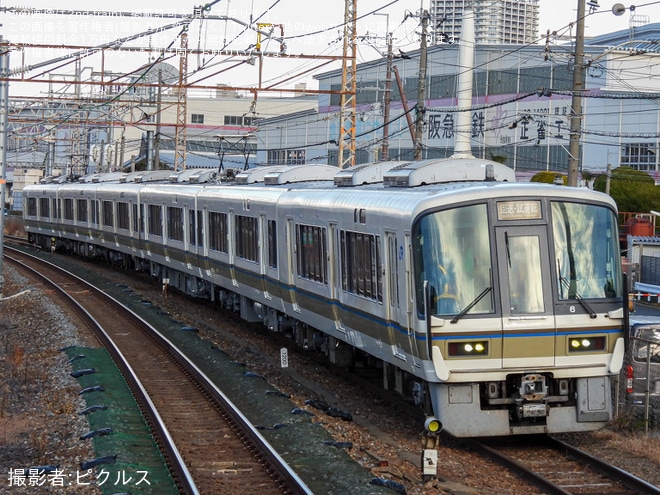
<point x="496" y="306"/>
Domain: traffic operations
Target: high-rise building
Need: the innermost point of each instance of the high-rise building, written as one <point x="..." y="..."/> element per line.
<point x="496" y="21"/>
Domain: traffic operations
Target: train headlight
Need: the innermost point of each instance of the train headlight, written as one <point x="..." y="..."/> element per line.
<point x="476" y="348"/>
<point x="586" y="344"/>
<point x="432" y="425"/>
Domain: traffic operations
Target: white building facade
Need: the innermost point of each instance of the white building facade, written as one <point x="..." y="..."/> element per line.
<point x="520" y="111"/>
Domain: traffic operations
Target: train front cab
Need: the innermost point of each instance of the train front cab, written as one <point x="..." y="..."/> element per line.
<point x="523" y="306"/>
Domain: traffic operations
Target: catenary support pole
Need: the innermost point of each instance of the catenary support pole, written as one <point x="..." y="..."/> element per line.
<point x="576" y="101"/>
<point x="4" y="109"/>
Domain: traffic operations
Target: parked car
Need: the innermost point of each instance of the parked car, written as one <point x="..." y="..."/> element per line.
<point x="643" y="369"/>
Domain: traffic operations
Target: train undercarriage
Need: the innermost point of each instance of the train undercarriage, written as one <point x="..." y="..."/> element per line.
<point x="525" y="403"/>
<point x="338" y="353"/>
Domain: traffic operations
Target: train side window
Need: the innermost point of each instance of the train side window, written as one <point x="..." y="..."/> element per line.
<point x="32" y="207"/>
<point x="218" y="231"/>
<point x="155" y="220"/>
<point x="175" y="223"/>
<point x="122" y="215"/>
<point x="312" y="251"/>
<point x="44" y="207"/>
<point x="108" y="216"/>
<point x="68" y="209"/>
<point x="247" y="235"/>
<point x="81" y="208"/>
<point x="361" y="264"/>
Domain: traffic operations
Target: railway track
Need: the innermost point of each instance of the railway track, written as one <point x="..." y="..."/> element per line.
<point x="559" y="468"/>
<point x="546" y="462"/>
<point x="184" y="409"/>
<point x="562" y="479"/>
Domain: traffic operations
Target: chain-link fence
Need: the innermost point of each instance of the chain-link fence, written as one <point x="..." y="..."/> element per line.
<point x="637" y="390"/>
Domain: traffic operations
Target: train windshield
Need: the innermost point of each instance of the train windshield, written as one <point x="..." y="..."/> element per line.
<point x="587" y="260"/>
<point x="452" y="253"/>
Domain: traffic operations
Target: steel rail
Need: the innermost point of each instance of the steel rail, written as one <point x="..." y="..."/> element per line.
<point x="180" y="472"/>
<point x="628" y="479"/>
<point x="293" y="483"/>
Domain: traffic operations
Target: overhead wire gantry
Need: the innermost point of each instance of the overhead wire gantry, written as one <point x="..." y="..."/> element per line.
<point x="346" y="141"/>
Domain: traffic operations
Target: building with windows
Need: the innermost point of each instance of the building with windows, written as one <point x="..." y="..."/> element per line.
<point x="64" y="137"/>
<point x="496" y="21"/>
<point x="219" y="127"/>
<point x="520" y="113"/>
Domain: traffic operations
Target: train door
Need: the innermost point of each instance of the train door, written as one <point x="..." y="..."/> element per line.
<point x="336" y="258"/>
<point x="409" y="302"/>
<point x="133" y="227"/>
<point x="231" y="250"/>
<point x="290" y="274"/>
<point x="263" y="250"/>
<point x="189" y="236"/>
<point x="205" y="244"/>
<point x="528" y="322"/>
<point x="142" y="235"/>
<point x="391" y="265"/>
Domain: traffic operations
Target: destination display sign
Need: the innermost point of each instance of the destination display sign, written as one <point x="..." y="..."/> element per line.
<point x="519" y="210"/>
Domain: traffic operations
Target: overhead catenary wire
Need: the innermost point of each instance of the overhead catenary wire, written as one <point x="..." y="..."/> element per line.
<point x="540" y="38"/>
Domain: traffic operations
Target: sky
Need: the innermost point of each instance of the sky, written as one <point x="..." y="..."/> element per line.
<point x="311" y="28"/>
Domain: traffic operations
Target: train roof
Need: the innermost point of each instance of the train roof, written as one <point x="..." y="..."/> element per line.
<point x="459" y="177"/>
<point x="369" y="173"/>
<point x="447" y="170"/>
<point x="387" y="174"/>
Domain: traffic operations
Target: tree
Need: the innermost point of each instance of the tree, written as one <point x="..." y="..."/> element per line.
<point x="633" y="190"/>
<point x="498" y="158"/>
<point x="547" y="177"/>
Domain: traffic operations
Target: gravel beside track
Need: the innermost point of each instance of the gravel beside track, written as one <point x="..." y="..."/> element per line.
<point x="39" y="401"/>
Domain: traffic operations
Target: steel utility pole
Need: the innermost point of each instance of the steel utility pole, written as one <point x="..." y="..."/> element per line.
<point x="576" y="101"/>
<point x="4" y="110"/>
<point x="348" y="101"/>
<point x="385" y="147"/>
<point x="421" y="87"/>
<point x="180" y="141"/>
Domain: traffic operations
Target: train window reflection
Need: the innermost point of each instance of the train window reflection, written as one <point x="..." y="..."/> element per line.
<point x="587" y="257"/>
<point x="524" y="269"/>
<point x="452" y="253"/>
